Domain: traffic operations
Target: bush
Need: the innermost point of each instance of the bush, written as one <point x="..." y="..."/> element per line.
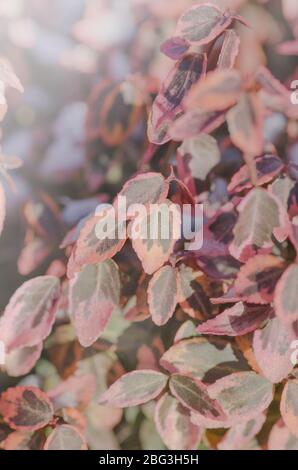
<point x="119" y="340"/>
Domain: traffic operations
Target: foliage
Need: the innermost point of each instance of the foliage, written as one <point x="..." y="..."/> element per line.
<point x="131" y="343"/>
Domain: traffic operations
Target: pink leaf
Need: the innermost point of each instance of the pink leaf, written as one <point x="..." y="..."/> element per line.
<point x="193" y="394"/>
<point x="257" y="278"/>
<point x="134" y="388"/>
<point x="202" y="23"/>
<point x="274" y="95"/>
<point x="194" y="122"/>
<point x="203" y="154"/>
<point x="288" y="48"/>
<point x="285" y="298"/>
<point x="220" y="90"/>
<point x="145" y="188"/>
<point x="93" y="246"/>
<point x="272" y="350"/>
<point x="8" y="77"/>
<point x="25" y="408"/>
<point x="260" y="215"/>
<point x="267" y="167"/>
<point x="175" y="48"/>
<point x="245" y="122"/>
<point x="174" y="426"/>
<point x="22" y="440"/>
<point x="235" y="321"/>
<point x="30" y="314"/>
<point x="240" y="435"/>
<point x="154" y="249"/>
<point x="167" y="106"/>
<point x="21" y="361"/>
<point x="289" y="406"/>
<point x="204" y="358"/>
<point x="93" y="294"/>
<point x="193" y="292"/>
<point x="65" y="437"/>
<point x="162" y="295"/>
<point x="229" y="50"/>
<point x="281" y="438"/>
<point x="242" y="394"/>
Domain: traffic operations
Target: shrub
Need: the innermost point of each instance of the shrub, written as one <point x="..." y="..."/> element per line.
<point x="135" y="342"/>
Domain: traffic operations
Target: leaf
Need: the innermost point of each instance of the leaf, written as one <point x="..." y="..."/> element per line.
<point x="257" y="278"/>
<point x="200" y="24"/>
<point x="2" y="208"/>
<point x="65" y="437"/>
<point x="273" y="94"/>
<point x="162" y="295"/>
<point x="272" y="350"/>
<point x="167" y="106"/>
<point x="259" y="215"/>
<point x="21" y="361"/>
<point x="77" y="392"/>
<point x="284" y="189"/>
<point x="205" y="359"/>
<point x="114" y="111"/>
<point x="203" y="152"/>
<point x="194" y="122"/>
<point x="100" y="239"/>
<point x="8" y="77"/>
<point x="175" y="47"/>
<point x="229" y="50"/>
<point x="193" y="394"/>
<point x="145" y="188"/>
<point x="242" y="394"/>
<point x="193" y="290"/>
<point x="245" y="122"/>
<point x="220" y="90"/>
<point x="174" y="426"/>
<point x="93" y="294"/>
<point x="235" y="321"/>
<point x="280" y="438"/>
<point x="240" y="435"/>
<point x="154" y="234"/>
<point x="285" y="297"/>
<point x="288" y="48"/>
<point x="20" y="440"/>
<point x="267" y="167"/>
<point x="30" y="314"/>
<point x="25" y="408"/>
<point x="33" y="254"/>
<point x="289" y="406"/>
<point x="185" y="331"/>
<point x="134" y="388"/>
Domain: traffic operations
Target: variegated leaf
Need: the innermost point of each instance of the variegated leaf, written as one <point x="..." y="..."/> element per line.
<point x="272" y="349"/>
<point x="162" y="295"/>
<point x="93" y="294"/>
<point x="30" y="314"/>
<point x="285" y="297"/>
<point x="134" y="388"/>
<point x="26" y="408"/>
<point x="289" y="406"/>
<point x="174" y="426"/>
<point x="235" y="321"/>
<point x="258" y="277"/>
<point x="65" y="437"/>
